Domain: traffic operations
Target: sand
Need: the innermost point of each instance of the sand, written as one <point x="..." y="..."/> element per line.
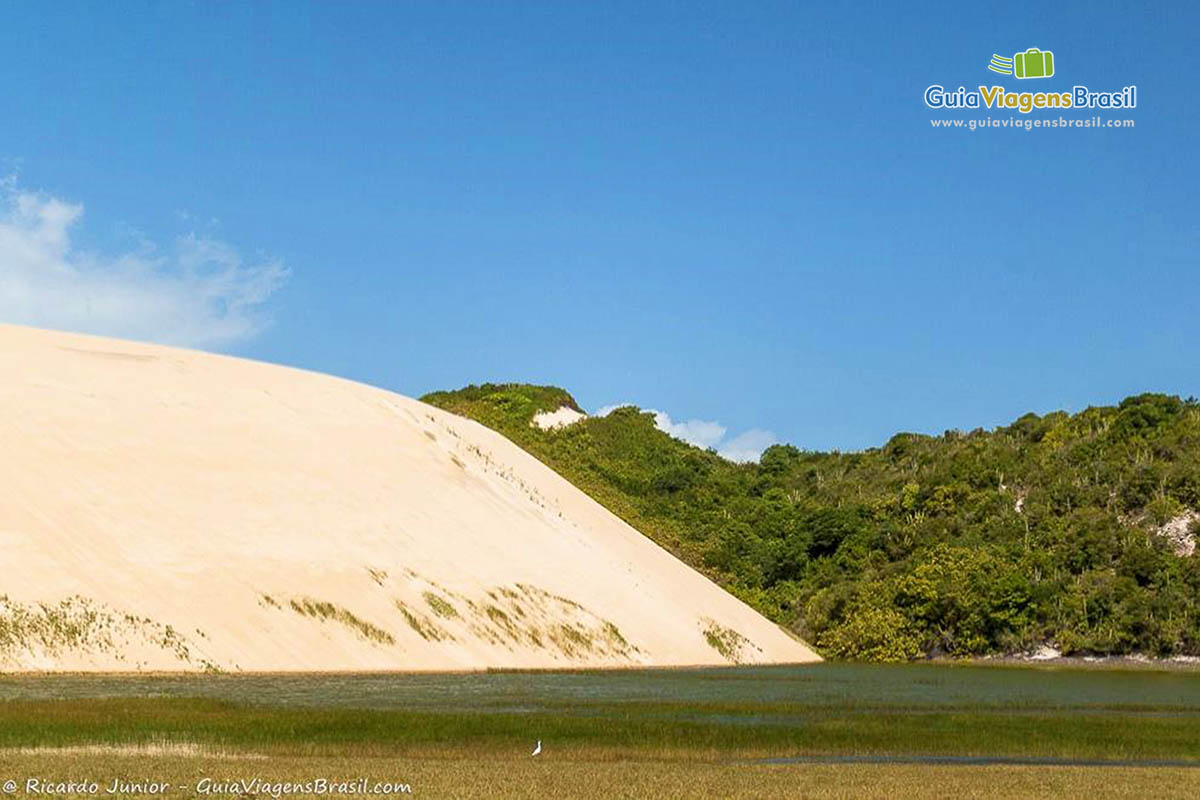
<point x="561" y="417"/>
<point x="174" y="510"/>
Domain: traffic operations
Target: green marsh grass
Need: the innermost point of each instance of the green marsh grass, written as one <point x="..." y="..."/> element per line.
<point x="640" y="733"/>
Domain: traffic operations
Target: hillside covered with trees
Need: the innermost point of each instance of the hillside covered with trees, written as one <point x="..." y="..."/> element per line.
<point x="1069" y="530"/>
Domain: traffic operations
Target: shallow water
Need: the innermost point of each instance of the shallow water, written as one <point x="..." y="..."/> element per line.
<point x="748" y="694"/>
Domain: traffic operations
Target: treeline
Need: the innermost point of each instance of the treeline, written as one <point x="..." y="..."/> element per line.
<point x="1061" y="529"/>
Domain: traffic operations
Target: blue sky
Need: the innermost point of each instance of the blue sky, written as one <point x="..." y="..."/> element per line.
<point x="732" y="213"/>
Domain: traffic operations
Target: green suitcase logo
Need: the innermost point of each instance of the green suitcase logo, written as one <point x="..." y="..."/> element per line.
<point x="1033" y="63"/>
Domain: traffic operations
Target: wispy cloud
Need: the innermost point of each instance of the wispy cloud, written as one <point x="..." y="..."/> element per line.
<point x="745" y="447"/>
<point x="198" y="291"/>
<point x="700" y="432"/>
<point x="748" y="446"/>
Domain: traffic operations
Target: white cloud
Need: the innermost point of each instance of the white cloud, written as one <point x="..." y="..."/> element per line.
<point x="604" y="411"/>
<point x="197" y="292"/>
<point x="745" y="447"/>
<point x="700" y="432"/>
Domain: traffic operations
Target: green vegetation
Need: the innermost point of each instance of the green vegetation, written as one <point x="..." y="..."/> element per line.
<point x="504" y="622"/>
<point x="726" y="641"/>
<point x="646" y="733"/>
<point x="510" y="616"/>
<point x="317" y="609"/>
<point x="580" y="774"/>
<point x="499" y="406"/>
<point x="650" y="728"/>
<point x="440" y="606"/>
<point x="425" y="627"/>
<point x="613" y="634"/>
<point x="78" y="624"/>
<point x="825" y="709"/>
<point x="968" y="543"/>
<point x="570" y="639"/>
<point x="74" y="624"/>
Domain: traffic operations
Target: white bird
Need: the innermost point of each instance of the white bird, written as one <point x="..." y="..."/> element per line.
<point x="537" y="750"/>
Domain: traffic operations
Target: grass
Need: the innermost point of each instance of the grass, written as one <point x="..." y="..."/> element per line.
<point x="498" y="616"/>
<point x="635" y="734"/>
<point x="440" y="606"/>
<point x="725" y="641"/>
<point x="73" y="624"/>
<point x="630" y="731"/>
<point x="317" y="609"/>
<point x="734" y="712"/>
<point x="570" y="639"/>
<point x="425" y="627"/>
<point x="79" y="624"/>
<point x="613" y="634"/>
<point x="518" y="775"/>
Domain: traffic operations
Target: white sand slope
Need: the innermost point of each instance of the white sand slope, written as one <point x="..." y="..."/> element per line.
<point x="172" y="510"/>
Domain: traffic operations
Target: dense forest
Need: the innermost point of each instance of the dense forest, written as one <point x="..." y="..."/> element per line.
<point x="1069" y="530"/>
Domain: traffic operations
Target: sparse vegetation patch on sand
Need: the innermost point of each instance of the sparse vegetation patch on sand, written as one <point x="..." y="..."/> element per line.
<point x="515" y="617"/>
<point x="726" y="641"/>
<point x="317" y="609"/>
<point x="425" y="627"/>
<point x="78" y="626"/>
<point x="440" y="606"/>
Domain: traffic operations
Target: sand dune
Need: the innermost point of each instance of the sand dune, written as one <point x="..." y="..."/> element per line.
<point x="172" y="510"/>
